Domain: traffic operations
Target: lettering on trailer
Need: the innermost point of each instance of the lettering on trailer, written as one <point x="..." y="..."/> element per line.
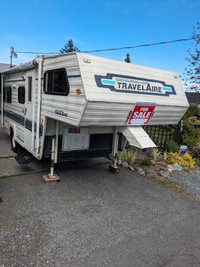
<point x="60" y="112"/>
<point x="141" y="114"/>
<point x="136" y="85"/>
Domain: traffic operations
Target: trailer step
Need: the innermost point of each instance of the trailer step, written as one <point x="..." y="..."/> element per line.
<point x="24" y="158"/>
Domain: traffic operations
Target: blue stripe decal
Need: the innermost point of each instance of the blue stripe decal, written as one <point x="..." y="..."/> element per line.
<point x="74" y="75"/>
<point x="21" y="120"/>
<point x="14" y="80"/>
<point x="108" y="82"/>
<point x="167" y="89"/>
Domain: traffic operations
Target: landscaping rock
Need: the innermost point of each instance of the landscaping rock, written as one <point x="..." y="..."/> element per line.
<point x="152" y="173"/>
<point x="125" y="164"/>
<point x="119" y="162"/>
<point x="164" y="173"/>
<point x="162" y="164"/>
<point x="177" y="167"/>
<point x="170" y="168"/>
<point x="131" y="168"/>
<point x="140" y="171"/>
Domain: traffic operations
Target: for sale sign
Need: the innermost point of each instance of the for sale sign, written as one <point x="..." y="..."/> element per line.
<point x="141" y="114"/>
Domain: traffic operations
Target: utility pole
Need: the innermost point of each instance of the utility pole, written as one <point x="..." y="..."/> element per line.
<point x="12" y="54"/>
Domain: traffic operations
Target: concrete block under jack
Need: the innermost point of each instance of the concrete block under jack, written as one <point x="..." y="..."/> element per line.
<point x="51" y="180"/>
<point x="113" y="169"/>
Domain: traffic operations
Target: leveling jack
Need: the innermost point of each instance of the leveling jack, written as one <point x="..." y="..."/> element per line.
<point x="113" y="168"/>
<point x="51" y="178"/>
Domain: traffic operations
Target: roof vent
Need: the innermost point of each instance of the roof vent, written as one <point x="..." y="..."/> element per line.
<point x="86" y="60"/>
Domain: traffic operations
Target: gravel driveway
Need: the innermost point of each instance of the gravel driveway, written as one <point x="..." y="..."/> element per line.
<point x="95" y="218"/>
<point x="189" y="180"/>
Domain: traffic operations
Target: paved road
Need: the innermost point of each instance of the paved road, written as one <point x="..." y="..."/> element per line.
<point x="95" y="218"/>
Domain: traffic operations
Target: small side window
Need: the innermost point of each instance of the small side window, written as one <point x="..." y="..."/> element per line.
<point x="21" y="94"/>
<point x="29" y="88"/>
<point x="9" y="94"/>
<point x="56" y="82"/>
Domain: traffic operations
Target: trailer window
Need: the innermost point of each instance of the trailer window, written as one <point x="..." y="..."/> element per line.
<point x="9" y="94"/>
<point x="21" y="94"/>
<point x="29" y="88"/>
<point x="56" y="82"/>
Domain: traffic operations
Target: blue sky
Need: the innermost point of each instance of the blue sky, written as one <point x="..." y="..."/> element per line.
<point x="41" y="25"/>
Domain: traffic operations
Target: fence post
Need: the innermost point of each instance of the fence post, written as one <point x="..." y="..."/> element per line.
<point x="177" y="133"/>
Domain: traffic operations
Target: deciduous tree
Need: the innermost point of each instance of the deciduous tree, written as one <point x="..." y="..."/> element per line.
<point x="191" y="76"/>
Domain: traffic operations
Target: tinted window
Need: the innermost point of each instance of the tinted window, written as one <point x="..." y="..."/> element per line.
<point x="21" y="94"/>
<point x="56" y="82"/>
<point x="29" y="88"/>
<point x="9" y="94"/>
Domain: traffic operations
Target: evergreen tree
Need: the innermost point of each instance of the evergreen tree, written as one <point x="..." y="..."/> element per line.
<point x="127" y="59"/>
<point x="192" y="72"/>
<point x="69" y="47"/>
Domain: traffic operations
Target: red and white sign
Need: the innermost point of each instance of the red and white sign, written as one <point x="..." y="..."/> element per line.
<point x="141" y="114"/>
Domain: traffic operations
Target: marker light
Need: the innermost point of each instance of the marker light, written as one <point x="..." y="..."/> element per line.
<point x="78" y="91"/>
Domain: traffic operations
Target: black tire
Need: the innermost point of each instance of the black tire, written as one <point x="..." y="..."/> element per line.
<point x="14" y="144"/>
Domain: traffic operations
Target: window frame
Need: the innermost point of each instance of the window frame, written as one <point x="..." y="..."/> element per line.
<point x="46" y="82"/>
<point x="22" y="86"/>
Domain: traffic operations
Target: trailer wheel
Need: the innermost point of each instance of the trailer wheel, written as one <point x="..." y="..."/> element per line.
<point x="14" y="144"/>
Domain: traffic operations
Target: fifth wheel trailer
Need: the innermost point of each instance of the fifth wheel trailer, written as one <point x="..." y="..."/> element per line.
<point x="76" y="105"/>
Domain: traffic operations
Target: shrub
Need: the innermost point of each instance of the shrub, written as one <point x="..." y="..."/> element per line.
<point x="156" y="153"/>
<point x="173" y="147"/>
<point x="197" y="162"/>
<point x="193" y="110"/>
<point x="128" y="155"/>
<point x="185" y="160"/>
<point x="195" y="151"/>
<point x="194" y="120"/>
<point x="190" y="134"/>
<point x="146" y="162"/>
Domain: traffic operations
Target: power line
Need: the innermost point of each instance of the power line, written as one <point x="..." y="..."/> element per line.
<point x="110" y="49"/>
<point x="136" y="46"/>
<point x="37" y="53"/>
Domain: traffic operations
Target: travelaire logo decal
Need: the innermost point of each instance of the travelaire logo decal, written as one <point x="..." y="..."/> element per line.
<point x="136" y="85"/>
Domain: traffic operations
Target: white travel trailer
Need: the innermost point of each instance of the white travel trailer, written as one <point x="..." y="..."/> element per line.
<point x="73" y="106"/>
